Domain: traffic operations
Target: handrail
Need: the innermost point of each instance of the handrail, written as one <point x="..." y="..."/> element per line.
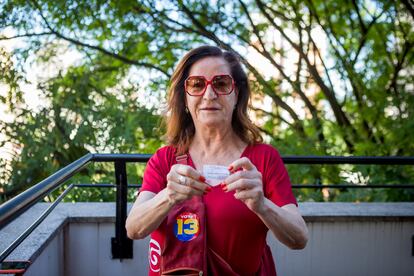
<point x="36" y="223"/>
<point x="354" y="160"/>
<point x="19" y="204"/>
<point x="126" y="157"/>
<point x="311" y="159"/>
<point x="294" y="186"/>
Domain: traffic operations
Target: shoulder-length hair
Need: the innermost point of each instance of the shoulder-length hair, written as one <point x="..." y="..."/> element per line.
<point x="180" y="126"/>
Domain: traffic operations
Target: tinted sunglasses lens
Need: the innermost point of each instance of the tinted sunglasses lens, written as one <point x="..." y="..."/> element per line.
<point x="195" y="85"/>
<point x="223" y="84"/>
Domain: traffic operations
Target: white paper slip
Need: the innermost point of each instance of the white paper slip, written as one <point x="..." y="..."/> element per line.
<point x="215" y="174"/>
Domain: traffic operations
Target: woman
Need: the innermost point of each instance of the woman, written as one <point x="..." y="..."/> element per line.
<point x="198" y="227"/>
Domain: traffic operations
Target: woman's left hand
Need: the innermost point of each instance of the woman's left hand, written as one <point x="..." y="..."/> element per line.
<point x="246" y="183"/>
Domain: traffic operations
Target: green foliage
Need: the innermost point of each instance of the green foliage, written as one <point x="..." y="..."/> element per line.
<point x="340" y="83"/>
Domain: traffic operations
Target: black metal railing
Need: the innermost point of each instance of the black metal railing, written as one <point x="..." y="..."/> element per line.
<point x="121" y="244"/>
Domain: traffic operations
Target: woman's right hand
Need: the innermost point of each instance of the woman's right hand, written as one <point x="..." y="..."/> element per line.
<point x="184" y="182"/>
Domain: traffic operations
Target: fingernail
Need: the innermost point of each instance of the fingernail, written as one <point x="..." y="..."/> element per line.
<point x="230" y="168"/>
<point x="202" y="179"/>
<point x="208" y="189"/>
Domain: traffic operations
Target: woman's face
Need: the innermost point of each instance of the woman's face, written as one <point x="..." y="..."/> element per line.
<point x="211" y="110"/>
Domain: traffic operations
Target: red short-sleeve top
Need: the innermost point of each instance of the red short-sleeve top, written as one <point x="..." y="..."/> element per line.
<point x="233" y="231"/>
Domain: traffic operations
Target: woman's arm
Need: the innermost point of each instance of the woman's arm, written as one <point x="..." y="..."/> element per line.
<point x="285" y="222"/>
<point x="147" y="213"/>
<point x="150" y="209"/>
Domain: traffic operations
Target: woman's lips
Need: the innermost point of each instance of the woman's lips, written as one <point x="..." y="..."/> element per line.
<point x="209" y="108"/>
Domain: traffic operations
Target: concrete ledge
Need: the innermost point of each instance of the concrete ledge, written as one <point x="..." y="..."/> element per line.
<point x="105" y="212"/>
<point x="344" y="211"/>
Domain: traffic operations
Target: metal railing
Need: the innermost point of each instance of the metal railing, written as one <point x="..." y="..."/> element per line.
<point x="121" y="244"/>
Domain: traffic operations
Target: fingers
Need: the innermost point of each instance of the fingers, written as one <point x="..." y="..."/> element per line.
<point x="190" y="180"/>
<point x="242" y="163"/>
<point x="243" y="180"/>
<point x="182" y="189"/>
<point x="247" y="194"/>
<point x="188" y="171"/>
<point x="242" y="184"/>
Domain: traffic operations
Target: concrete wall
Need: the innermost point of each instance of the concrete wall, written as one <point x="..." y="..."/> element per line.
<point x="345" y="239"/>
<point x="50" y="262"/>
<point x="88" y="252"/>
<point x="350" y="248"/>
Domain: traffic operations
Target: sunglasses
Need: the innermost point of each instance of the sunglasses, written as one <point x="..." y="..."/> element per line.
<point x="197" y="85"/>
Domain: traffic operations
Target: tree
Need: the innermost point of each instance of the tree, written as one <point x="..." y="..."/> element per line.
<point x="339" y="78"/>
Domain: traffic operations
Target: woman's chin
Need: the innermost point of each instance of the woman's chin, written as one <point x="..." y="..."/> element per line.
<point x="211" y="123"/>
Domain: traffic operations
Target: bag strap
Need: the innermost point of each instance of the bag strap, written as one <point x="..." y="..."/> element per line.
<point x="182" y="159"/>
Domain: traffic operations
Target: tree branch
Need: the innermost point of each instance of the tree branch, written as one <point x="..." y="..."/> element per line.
<point x="361" y="22"/>
<point x="339" y="114"/>
<point x="100" y="49"/>
<point x="365" y="36"/>
<point x="354" y="79"/>
<point x="268" y="56"/>
<point x="160" y="14"/>
<point x="272" y="115"/>
<point x="25" y="35"/>
<point x="409" y="5"/>
<point x="399" y="66"/>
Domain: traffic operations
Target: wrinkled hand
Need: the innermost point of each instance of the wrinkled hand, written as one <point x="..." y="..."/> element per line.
<point x="246" y="183"/>
<point x="184" y="182"/>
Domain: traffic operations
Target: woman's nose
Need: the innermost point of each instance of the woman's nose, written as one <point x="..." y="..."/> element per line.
<point x="209" y="94"/>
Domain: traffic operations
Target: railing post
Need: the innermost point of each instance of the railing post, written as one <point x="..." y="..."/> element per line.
<point x="121" y="244"/>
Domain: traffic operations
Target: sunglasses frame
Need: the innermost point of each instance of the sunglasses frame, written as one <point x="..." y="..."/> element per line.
<point x="207" y="83"/>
